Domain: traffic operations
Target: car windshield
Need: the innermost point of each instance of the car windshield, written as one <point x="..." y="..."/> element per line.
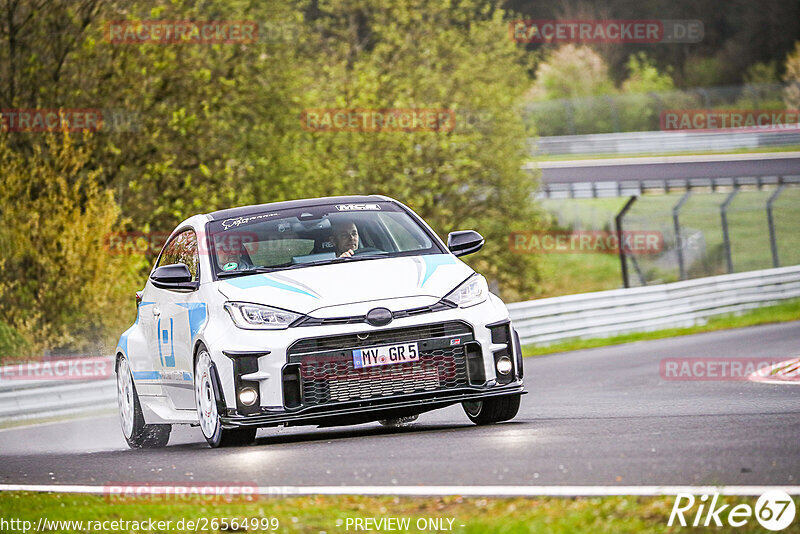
<point x="293" y="238"/>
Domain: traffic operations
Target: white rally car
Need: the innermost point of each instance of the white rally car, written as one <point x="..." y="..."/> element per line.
<point x="330" y="311"/>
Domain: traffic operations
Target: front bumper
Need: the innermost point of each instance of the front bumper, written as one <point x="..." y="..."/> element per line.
<point x="275" y="352"/>
<point x="355" y="412"/>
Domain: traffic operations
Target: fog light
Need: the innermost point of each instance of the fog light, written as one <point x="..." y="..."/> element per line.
<point x="504" y="365"/>
<point x="248" y="396"/>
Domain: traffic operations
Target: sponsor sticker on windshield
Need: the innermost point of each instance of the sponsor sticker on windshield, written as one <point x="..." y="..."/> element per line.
<point x="230" y="266"/>
<point x="233" y="223"/>
<point x="357" y="207"/>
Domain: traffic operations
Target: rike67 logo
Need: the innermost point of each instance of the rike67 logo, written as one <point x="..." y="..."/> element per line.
<point x="774" y="510"/>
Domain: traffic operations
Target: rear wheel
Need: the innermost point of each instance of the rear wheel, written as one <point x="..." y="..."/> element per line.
<point x="209" y="403"/>
<point x="138" y="434"/>
<point x="492" y="410"/>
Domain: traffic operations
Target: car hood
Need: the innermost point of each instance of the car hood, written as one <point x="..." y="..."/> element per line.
<point x="307" y="289"/>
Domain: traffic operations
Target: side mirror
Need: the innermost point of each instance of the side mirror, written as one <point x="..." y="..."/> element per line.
<point x="175" y="276"/>
<point x="464" y="242"/>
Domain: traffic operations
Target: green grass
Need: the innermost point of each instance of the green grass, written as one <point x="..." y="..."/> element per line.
<point x="566" y="274"/>
<point x="329" y="514"/>
<point x="757" y="150"/>
<point x="786" y="311"/>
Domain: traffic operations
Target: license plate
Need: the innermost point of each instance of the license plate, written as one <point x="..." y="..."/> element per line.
<point x="385" y="355"/>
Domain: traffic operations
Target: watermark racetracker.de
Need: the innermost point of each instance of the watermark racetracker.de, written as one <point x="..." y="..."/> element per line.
<point x="151" y="243"/>
<point x="192" y="493"/>
<point x="69" y="119"/>
<point x="725" y="369"/>
<point x="180" y="32"/>
<point x="724" y="119"/>
<point x="606" y="31"/>
<point x="378" y="120"/>
<point x="586" y="242"/>
<point x="75" y="368"/>
<point x="202" y="32"/>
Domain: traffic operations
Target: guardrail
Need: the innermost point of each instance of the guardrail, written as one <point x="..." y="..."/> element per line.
<point x="600" y="314"/>
<point x="626" y="188"/>
<point x="641" y="309"/>
<point x="34" y="399"/>
<point x="663" y="142"/>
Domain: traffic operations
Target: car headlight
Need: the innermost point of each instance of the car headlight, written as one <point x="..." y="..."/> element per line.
<point x="471" y="292"/>
<point x="258" y="317"/>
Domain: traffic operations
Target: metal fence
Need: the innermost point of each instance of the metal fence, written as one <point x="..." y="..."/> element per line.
<point x="626" y="188"/>
<point x="707" y="227"/>
<point x="726" y="231"/>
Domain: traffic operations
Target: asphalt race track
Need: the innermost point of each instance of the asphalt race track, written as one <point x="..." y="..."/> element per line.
<point x="593" y="417"/>
<point x="665" y="168"/>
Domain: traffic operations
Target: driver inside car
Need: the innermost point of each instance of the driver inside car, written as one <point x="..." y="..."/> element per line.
<point x="232" y="254"/>
<point x="344" y="237"/>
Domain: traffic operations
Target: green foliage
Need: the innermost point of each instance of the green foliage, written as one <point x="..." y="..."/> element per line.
<point x="762" y="73"/>
<point x="570" y="72"/>
<point x="61" y="287"/>
<point x="217" y="125"/>
<point x="702" y="72"/>
<point x="416" y="55"/>
<point x="12" y="344"/>
<point x="641" y="107"/>
<point x="792" y="77"/>
<point x="574" y="94"/>
<point x="569" y="79"/>
<point x="644" y="76"/>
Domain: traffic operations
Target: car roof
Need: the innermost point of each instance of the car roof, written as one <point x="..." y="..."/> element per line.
<point x="244" y="211"/>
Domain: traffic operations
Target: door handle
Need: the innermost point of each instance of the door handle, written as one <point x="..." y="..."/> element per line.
<point x="156" y="311"/>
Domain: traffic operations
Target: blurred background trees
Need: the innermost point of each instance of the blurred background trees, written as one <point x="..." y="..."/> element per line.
<point x="212" y="126"/>
<point x="194" y="128"/>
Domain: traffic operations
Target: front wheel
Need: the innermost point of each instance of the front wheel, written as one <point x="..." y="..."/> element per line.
<point x="492" y="410"/>
<point x="207" y="398"/>
<point x="138" y="434"/>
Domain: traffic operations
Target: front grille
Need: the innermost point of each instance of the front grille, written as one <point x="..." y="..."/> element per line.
<point x="330" y="381"/>
<point x="380" y="337"/>
<point x="327" y="373"/>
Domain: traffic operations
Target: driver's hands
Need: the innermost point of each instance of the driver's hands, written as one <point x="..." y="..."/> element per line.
<point x="347" y="253"/>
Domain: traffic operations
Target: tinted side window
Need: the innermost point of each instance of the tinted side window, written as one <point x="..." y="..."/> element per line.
<point x="169" y="256"/>
<point x="183" y="249"/>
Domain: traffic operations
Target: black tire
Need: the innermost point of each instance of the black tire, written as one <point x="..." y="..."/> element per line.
<point x="210" y="405"/>
<point x="492" y="410"/>
<point x="138" y="434"/>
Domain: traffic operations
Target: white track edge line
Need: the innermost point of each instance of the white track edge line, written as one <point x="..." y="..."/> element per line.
<point x="441" y="491"/>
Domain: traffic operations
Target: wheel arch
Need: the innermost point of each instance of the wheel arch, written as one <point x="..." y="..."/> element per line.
<point x="219" y="391"/>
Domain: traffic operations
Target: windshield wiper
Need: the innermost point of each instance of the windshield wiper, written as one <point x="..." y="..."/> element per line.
<point x="341" y="259"/>
<point x="254" y="270"/>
